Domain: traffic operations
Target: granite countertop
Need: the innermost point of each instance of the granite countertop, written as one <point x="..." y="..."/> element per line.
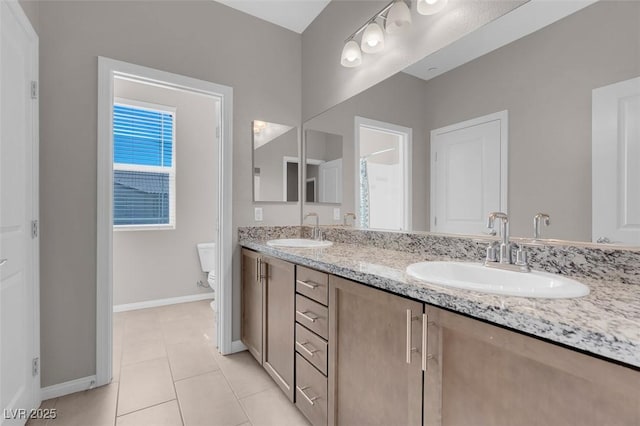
<point x="605" y="323"/>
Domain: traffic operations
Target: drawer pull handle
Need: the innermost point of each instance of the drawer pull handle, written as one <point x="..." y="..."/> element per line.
<point x="307" y="397"/>
<point x="308" y="284"/>
<point x="310" y="352"/>
<point x="306" y="315"/>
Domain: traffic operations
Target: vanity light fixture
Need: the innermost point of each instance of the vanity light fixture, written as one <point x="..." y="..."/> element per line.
<point x="372" y="38"/>
<point x="430" y="7"/>
<point x="259" y="126"/>
<point x="396" y="17"/>
<point x="351" y="55"/>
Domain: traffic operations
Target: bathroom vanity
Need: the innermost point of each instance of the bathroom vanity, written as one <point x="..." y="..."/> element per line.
<point x="370" y="345"/>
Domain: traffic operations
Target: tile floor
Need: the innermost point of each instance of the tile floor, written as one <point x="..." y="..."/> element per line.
<point x="167" y="372"/>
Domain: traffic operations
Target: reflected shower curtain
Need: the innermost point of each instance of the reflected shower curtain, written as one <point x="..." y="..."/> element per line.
<point x="364" y="194"/>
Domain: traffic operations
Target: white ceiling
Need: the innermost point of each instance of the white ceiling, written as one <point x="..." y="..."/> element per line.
<point x="295" y="15"/>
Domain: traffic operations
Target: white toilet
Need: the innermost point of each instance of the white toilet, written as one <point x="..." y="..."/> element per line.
<point x="207" y="254"/>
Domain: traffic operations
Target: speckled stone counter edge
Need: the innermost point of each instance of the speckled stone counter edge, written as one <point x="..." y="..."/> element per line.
<point x="602" y="263"/>
<point x="568" y="260"/>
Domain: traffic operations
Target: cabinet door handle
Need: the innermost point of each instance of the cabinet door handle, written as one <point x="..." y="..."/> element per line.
<point x="308" y="284"/>
<point x="410" y="349"/>
<point x="306" y="315"/>
<point x="304" y="348"/>
<point x="425" y="341"/>
<point x="257" y="269"/>
<point x="307" y="397"/>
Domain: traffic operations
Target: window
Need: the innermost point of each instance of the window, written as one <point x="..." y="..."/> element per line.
<point x="143" y="166"/>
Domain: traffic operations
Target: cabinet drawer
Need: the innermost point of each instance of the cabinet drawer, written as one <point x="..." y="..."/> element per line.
<point x="312" y="348"/>
<point x="311" y="392"/>
<point x="312" y="315"/>
<point x="313" y="284"/>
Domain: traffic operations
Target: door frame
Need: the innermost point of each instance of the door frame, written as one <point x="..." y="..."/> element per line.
<point x="503" y="117"/>
<point x="107" y="70"/>
<point x="407" y="139"/>
<point x="34" y="214"/>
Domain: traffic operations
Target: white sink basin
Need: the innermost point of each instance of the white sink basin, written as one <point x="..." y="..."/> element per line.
<point x="477" y="277"/>
<point x="298" y="243"/>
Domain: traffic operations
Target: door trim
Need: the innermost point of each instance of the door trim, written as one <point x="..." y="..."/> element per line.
<point x="407" y="136"/>
<point x="503" y="117"/>
<point x="25" y="23"/>
<point x="107" y="70"/>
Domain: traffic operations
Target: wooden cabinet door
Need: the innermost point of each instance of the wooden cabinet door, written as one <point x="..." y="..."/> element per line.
<point x="251" y="328"/>
<point x="278" y="321"/>
<point x="497" y="377"/>
<point x="370" y="335"/>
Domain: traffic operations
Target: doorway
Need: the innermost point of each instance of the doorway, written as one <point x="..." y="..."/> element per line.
<point x="158" y="194"/>
<point x="383" y="174"/>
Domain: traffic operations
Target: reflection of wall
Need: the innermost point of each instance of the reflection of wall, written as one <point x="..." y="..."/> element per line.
<point x="398" y="100"/>
<point x="269" y="159"/>
<point x="545" y="81"/>
<point x="150" y="265"/>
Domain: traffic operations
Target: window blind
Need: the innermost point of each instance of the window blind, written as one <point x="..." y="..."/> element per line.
<point x="143" y="163"/>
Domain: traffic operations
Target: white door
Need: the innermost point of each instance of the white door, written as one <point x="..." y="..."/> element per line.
<point x="616" y="163"/>
<point x="20" y="386"/>
<point x="468" y="174"/>
<point x="330" y="175"/>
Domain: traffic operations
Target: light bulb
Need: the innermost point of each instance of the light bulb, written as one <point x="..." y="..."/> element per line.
<point x="430" y="7"/>
<point x="351" y="55"/>
<point x="398" y="18"/>
<point x="372" y="39"/>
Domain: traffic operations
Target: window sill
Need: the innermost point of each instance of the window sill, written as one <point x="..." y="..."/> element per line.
<point x="118" y="228"/>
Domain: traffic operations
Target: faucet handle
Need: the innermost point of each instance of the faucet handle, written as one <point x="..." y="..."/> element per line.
<point x="522" y="259"/>
<point x="492" y="252"/>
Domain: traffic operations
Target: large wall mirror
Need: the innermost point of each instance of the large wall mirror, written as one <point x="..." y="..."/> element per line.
<point x="545" y="123"/>
<point x="275" y="162"/>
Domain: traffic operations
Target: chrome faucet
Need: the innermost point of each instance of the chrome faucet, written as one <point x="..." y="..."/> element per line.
<point x="505" y="258"/>
<point x="505" y="253"/>
<point x="348" y="215"/>
<point x="317" y="235"/>
<point x="537" y="220"/>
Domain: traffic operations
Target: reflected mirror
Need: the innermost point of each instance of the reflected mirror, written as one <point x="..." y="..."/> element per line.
<point x="275" y="162"/>
<point x="323" y="167"/>
<point x="543" y="123"/>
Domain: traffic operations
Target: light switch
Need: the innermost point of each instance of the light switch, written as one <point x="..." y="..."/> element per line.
<point x="336" y="213"/>
<point x="257" y="214"/>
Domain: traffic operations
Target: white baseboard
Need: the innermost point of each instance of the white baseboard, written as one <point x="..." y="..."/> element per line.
<point x="162" y="302"/>
<point x="237" y="346"/>
<point x="66" y="388"/>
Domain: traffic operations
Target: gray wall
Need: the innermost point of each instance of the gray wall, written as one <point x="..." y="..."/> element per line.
<point x="545" y="81"/>
<point x="151" y="265"/>
<point x="32" y="11"/>
<point x="326" y="83"/>
<point x="398" y="100"/>
<point x="200" y="39"/>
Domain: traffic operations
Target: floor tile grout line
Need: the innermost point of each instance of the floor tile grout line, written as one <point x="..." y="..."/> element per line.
<point x="173" y="381"/>
<point x="145" y="408"/>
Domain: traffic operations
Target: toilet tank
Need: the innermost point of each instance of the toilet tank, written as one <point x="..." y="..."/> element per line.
<point x="207" y="254"/>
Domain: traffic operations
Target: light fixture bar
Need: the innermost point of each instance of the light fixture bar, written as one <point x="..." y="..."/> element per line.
<point x="378" y="15"/>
